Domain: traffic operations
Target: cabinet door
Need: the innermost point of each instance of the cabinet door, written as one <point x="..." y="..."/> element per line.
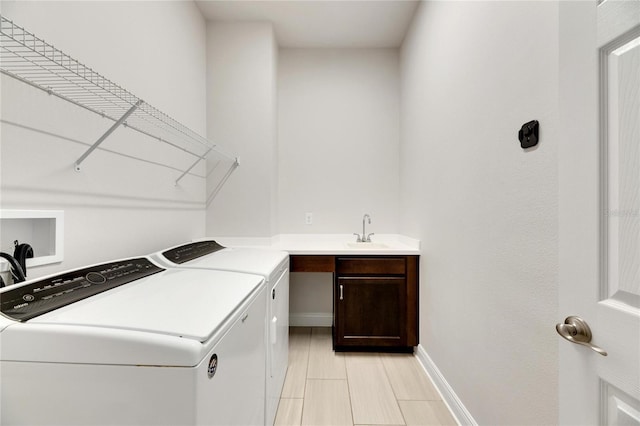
<point x="370" y="311"/>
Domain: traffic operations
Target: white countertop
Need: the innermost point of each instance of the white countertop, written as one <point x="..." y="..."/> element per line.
<point x="329" y="244"/>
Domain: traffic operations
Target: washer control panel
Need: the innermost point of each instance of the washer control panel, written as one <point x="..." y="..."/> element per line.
<point x="192" y="251"/>
<point x="27" y="301"/>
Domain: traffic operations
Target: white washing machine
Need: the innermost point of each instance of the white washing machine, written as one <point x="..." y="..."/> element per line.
<point x="129" y="342"/>
<point x="273" y="265"/>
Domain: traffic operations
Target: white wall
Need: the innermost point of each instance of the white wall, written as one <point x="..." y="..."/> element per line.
<point x="338" y="134"/>
<point x="484" y="209"/>
<point x="338" y="147"/>
<point x="116" y="206"/>
<point x="241" y="114"/>
<point x="311" y="299"/>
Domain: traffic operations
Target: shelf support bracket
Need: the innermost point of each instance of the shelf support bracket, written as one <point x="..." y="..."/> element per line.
<point x="106" y="134"/>
<point x="220" y="184"/>
<point x="193" y="165"/>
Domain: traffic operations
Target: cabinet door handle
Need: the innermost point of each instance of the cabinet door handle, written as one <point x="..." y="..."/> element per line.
<point x="341" y="292"/>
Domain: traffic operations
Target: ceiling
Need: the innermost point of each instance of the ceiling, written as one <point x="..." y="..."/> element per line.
<point x="322" y="23"/>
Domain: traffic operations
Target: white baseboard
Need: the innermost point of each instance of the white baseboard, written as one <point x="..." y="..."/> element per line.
<point x="311" y="320"/>
<point x="459" y="411"/>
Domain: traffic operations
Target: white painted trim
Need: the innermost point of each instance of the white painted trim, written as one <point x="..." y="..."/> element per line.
<point x="311" y="320"/>
<point x="449" y="397"/>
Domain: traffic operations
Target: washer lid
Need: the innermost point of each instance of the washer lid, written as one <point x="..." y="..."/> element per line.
<point x="209" y="254"/>
<point x="187" y="303"/>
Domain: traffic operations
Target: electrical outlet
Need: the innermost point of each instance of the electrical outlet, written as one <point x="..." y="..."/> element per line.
<point x="308" y="218"/>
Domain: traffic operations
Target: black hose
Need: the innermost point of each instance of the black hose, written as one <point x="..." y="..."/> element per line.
<point x="16" y="270"/>
<point x="21" y="253"/>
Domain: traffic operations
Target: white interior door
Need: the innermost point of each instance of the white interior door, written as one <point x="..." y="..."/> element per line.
<point x="599" y="171"/>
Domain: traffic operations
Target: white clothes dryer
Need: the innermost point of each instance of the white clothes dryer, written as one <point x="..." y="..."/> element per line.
<point x="273" y="265"/>
<point x="129" y="342"/>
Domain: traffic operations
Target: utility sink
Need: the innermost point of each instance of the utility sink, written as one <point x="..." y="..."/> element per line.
<point x="367" y="246"/>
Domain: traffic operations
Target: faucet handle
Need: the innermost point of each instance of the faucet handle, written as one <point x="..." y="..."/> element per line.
<point x="368" y="239"/>
<point x="359" y="239"/>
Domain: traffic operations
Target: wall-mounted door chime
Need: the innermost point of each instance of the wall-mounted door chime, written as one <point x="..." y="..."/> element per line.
<point x="528" y="134"/>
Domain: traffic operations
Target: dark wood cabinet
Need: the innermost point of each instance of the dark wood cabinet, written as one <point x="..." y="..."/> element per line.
<point x="370" y="311"/>
<point x="375" y="299"/>
<point x="312" y="263"/>
<point x="376" y="303"/>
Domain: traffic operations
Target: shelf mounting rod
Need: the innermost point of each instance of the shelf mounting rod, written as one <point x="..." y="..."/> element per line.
<point x="107" y="133"/>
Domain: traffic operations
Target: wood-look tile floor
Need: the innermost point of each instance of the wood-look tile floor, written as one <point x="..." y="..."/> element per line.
<point x="324" y="387"/>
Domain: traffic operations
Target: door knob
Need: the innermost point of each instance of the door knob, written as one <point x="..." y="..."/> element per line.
<point x="576" y="330"/>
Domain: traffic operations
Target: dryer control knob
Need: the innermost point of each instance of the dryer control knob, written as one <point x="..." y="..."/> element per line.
<point x="95" y="278"/>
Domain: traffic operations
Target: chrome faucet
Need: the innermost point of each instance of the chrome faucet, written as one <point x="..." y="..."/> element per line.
<point x="364" y="238"/>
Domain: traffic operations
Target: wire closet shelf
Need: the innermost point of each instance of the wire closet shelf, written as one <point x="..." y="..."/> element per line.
<point x="33" y="61"/>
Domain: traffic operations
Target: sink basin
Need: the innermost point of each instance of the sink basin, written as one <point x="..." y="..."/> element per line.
<point x="367" y="245"/>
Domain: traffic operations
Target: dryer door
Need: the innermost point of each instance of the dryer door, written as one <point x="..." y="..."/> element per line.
<point x="278" y="356"/>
